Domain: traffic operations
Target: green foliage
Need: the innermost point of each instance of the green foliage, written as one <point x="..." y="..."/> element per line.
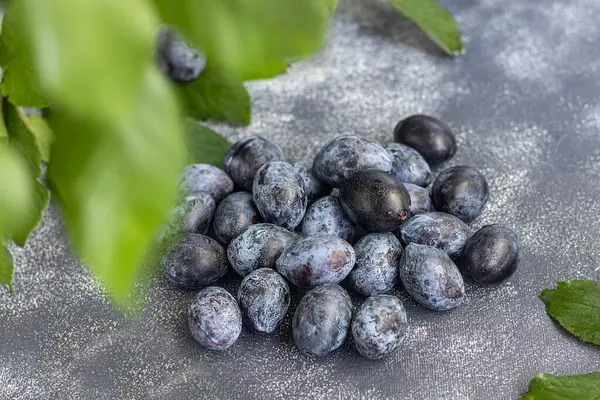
<point x="43" y="135"/>
<point x="254" y="39"/>
<point x="216" y="95"/>
<point x="550" y="387"/>
<point x="23" y="142"/>
<point x="204" y="145"/>
<point x="6" y="268"/>
<point x="436" y="21"/>
<point x="93" y="55"/>
<point x="20" y="80"/>
<point x="16" y="202"/>
<point x="575" y="304"/>
<point x="116" y="182"/>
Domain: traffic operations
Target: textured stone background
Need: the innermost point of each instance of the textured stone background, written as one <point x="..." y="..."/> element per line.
<point x="525" y="103"/>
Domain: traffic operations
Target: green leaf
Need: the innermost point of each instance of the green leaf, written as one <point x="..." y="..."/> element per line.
<point x="6" y="268"/>
<point x="204" y="145"/>
<point x="22" y="140"/>
<point x="116" y="183"/>
<point x="437" y="22"/>
<point x="17" y="206"/>
<point x="216" y="95"/>
<point x="92" y="54"/>
<point x="20" y="77"/>
<point x="550" y="387"/>
<point x="254" y="39"/>
<point x="575" y="304"/>
<point x="42" y="132"/>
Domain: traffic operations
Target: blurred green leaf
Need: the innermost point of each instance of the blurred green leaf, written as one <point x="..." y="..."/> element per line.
<point x="116" y="182"/>
<point x="3" y="132"/>
<point x="6" y="268"/>
<point x="20" y="78"/>
<point x="204" y="145"/>
<point x="42" y="132"/>
<point x="576" y="387"/>
<point x="437" y="22"/>
<point x="22" y="140"/>
<point x="254" y="39"/>
<point x="92" y="54"/>
<point x="216" y="95"/>
<point x="17" y="205"/>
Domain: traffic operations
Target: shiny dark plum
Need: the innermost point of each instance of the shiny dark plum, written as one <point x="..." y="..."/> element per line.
<point x="461" y="191"/>
<point x="437" y="229"/>
<point x="431" y="278"/>
<point x="235" y="213"/>
<point x="379" y="326"/>
<point x="315" y="260"/>
<point x="409" y="165"/>
<point x="246" y="156"/>
<point x="326" y="216"/>
<point x="206" y="178"/>
<point x="194" y="261"/>
<point x="195" y="213"/>
<point x="429" y="136"/>
<point x="343" y="156"/>
<point x="376" y="267"/>
<point x="258" y="246"/>
<point x="322" y="320"/>
<point x="279" y="194"/>
<point x="177" y="59"/>
<point x="375" y="200"/>
<point x="215" y="319"/>
<point x="264" y="298"/>
<point x="492" y="254"/>
<point x="315" y="189"/>
<point x="420" y="200"/>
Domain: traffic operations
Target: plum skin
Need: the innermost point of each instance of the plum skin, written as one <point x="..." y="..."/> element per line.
<point x="492" y="254"/>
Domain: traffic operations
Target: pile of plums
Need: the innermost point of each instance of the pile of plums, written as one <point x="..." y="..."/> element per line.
<point x="371" y="215"/>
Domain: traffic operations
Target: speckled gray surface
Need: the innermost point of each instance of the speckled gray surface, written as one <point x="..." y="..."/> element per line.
<point x="525" y="102"/>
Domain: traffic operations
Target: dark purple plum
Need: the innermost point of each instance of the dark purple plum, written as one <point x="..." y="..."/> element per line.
<point x="343" y="156"/>
<point x="375" y="200"/>
<point x="315" y="189"/>
<point x="177" y="59"/>
<point x="492" y="254"/>
<point x="431" y="278"/>
<point x="215" y="319"/>
<point x="258" y="246"/>
<point x="279" y="194"/>
<point x="409" y="165"/>
<point x="437" y="229"/>
<point x="461" y="191"/>
<point x="315" y="260"/>
<point x="246" y="156"/>
<point x="194" y="261"/>
<point x="326" y="216"/>
<point x="322" y="320"/>
<point x="376" y="267"/>
<point x="429" y="136"/>
<point x="196" y="212"/>
<point x="235" y="213"/>
<point x="206" y="178"/>
<point x="264" y="298"/>
<point x="420" y="200"/>
<point x="379" y="326"/>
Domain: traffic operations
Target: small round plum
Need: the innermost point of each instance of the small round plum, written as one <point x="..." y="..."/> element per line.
<point x="379" y="326"/>
<point x="215" y="319"/>
<point x="322" y="320"/>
